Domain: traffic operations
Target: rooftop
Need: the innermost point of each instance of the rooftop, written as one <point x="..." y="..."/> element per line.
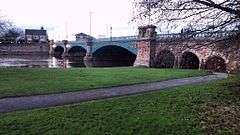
<point x="35" y="32"/>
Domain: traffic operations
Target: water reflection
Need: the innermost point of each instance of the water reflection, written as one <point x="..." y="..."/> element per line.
<point x="40" y="61"/>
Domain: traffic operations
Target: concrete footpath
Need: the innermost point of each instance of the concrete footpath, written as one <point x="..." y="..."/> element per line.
<point x="42" y="101"/>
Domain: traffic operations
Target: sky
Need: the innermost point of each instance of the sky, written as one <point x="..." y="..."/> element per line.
<point x="65" y="18"/>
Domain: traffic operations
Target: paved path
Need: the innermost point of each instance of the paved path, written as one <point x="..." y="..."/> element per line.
<point x="41" y="101"/>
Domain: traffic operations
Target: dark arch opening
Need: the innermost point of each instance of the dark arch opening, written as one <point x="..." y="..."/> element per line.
<point x="113" y="56"/>
<point x="216" y="64"/>
<point x="58" y="51"/>
<point x="77" y="51"/>
<point x="165" y="59"/>
<point x="189" y="61"/>
<point x="76" y="55"/>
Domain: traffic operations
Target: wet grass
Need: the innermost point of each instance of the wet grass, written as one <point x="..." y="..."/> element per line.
<point x="19" y="82"/>
<point x="178" y="111"/>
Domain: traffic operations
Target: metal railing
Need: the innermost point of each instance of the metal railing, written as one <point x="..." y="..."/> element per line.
<point x="172" y="36"/>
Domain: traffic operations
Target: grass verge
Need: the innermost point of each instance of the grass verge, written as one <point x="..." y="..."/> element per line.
<point x="181" y="111"/>
<point x="19" y="82"/>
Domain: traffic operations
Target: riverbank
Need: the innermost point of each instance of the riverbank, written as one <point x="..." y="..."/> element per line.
<point x="34" y="81"/>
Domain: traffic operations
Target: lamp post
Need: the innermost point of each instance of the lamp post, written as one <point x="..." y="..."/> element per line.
<point x="111" y="33"/>
<point x="90" y="23"/>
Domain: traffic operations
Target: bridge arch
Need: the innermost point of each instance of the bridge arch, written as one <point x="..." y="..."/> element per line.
<point x="165" y="59"/>
<point x="216" y="63"/>
<point x="217" y="54"/>
<point x="112" y="55"/>
<point x="189" y="60"/>
<point x="77" y="51"/>
<point x="128" y="45"/>
<point x="58" y="51"/>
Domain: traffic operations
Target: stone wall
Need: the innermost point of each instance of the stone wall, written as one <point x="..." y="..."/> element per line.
<point x="143" y="54"/>
<point x="24" y="49"/>
<point x="229" y="52"/>
<point x="221" y="56"/>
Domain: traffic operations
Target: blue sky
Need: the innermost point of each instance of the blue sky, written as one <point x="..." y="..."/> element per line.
<point x="58" y="15"/>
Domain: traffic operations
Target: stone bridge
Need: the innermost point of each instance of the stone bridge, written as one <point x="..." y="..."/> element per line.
<point x="162" y="51"/>
<point x="117" y="51"/>
<point x="127" y="43"/>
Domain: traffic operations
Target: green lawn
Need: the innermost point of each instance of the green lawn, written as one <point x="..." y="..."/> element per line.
<point x="194" y="109"/>
<point x="18" y="82"/>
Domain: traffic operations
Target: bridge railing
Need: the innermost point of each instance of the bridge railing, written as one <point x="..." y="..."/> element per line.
<point x="117" y="38"/>
<point x="204" y="35"/>
<point x="172" y="36"/>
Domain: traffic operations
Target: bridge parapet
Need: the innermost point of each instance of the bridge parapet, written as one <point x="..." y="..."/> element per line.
<point x="196" y="36"/>
<point x="131" y="40"/>
<point x="124" y="38"/>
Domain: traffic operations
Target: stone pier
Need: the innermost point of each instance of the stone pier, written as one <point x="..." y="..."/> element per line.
<point x="88" y="59"/>
<point x="146" y="46"/>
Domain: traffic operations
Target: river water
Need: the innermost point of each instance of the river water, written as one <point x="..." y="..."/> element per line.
<point x="7" y="61"/>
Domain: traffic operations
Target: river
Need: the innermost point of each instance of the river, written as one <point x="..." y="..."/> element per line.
<point x="31" y="61"/>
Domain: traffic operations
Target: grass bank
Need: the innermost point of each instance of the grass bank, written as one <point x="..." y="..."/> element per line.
<point x="18" y="82"/>
<point x="190" y="110"/>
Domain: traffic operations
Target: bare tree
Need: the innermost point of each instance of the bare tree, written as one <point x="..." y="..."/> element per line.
<point x="11" y="35"/>
<point x="4" y="25"/>
<point x="8" y="31"/>
<point x="201" y="15"/>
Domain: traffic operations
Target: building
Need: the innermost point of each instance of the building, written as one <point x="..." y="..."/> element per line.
<point x="82" y="37"/>
<point x="36" y="36"/>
